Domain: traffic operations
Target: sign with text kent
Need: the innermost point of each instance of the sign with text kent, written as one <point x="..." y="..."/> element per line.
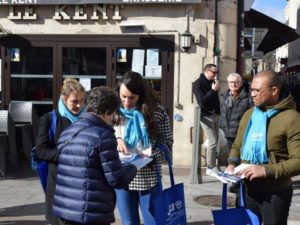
<point x="80" y="2"/>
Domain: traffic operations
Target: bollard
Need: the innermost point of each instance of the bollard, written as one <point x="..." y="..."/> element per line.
<point x="195" y="176"/>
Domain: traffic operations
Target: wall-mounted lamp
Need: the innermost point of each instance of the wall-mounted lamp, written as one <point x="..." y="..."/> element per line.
<point x="186" y="41"/>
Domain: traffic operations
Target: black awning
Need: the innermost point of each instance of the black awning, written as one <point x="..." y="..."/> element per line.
<point x="278" y="33"/>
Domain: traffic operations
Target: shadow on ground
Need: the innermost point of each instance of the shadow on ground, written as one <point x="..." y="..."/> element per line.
<point x="23" y="222"/>
<point x="23" y="210"/>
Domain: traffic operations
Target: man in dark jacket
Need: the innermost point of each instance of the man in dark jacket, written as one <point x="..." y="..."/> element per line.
<point x="234" y="102"/>
<point x="268" y="139"/>
<point x="205" y="89"/>
<point x="89" y="167"/>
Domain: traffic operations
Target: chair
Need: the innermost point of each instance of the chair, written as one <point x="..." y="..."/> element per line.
<point x="8" y="149"/>
<point x="26" y="121"/>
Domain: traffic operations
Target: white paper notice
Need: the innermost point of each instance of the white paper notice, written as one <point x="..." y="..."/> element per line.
<point x="153" y="71"/>
<point x="86" y="83"/>
<point x="152" y="57"/>
<point x="138" y="56"/>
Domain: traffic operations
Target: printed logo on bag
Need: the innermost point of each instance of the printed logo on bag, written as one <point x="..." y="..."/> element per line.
<point x="176" y="210"/>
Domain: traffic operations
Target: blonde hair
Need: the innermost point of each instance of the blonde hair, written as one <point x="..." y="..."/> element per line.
<point x="71" y="85"/>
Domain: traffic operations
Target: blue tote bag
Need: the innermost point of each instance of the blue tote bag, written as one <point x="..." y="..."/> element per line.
<point x="168" y="206"/>
<point x="240" y="216"/>
<point x="41" y="166"/>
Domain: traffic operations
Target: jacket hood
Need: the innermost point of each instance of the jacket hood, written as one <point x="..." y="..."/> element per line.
<point x="285" y="103"/>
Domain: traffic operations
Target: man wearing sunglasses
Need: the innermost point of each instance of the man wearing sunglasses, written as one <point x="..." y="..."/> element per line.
<point x="268" y="139"/>
<point x="206" y="89"/>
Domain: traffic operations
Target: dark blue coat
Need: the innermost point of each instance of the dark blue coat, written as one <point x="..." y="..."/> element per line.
<point x="88" y="171"/>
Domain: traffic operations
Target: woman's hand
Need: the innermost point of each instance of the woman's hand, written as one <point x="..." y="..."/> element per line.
<point x="122" y="146"/>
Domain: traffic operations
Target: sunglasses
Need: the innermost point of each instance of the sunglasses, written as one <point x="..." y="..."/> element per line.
<point x="214" y="72"/>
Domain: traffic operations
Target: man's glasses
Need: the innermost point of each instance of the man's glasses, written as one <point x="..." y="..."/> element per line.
<point x="259" y="91"/>
<point x="214" y="72"/>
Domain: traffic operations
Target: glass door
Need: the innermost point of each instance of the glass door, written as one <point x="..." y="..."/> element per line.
<point x="31" y="76"/>
<point x="87" y="62"/>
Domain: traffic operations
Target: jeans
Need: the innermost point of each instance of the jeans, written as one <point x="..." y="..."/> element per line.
<point x="128" y="203"/>
<point x="210" y="126"/>
<point x="272" y="208"/>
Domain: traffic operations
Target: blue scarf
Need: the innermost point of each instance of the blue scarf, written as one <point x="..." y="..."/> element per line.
<point x="135" y="129"/>
<point x="64" y="111"/>
<point x="254" y="147"/>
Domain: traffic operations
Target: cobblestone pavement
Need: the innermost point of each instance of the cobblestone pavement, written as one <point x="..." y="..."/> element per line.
<point x="22" y="199"/>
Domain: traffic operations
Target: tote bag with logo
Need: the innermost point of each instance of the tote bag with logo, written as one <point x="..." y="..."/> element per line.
<point x="240" y="216"/>
<point x="168" y="206"/>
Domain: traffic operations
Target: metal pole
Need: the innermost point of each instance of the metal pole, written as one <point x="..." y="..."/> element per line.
<point x="195" y="176"/>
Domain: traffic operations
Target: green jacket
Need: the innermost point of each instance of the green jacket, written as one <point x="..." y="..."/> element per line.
<point x="283" y="146"/>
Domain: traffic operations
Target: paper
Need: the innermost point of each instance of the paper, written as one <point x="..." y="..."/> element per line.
<point x="138" y="160"/>
<point x="222" y="176"/>
<point x="152" y="56"/>
<point x="141" y="162"/>
<point x="240" y="168"/>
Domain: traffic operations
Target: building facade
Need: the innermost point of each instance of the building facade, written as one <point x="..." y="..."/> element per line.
<point x="96" y="41"/>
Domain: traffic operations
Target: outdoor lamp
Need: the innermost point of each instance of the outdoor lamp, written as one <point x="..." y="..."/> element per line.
<point x="186" y="41"/>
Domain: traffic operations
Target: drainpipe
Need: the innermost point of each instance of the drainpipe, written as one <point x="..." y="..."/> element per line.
<point x="240" y="37"/>
<point x="215" y="48"/>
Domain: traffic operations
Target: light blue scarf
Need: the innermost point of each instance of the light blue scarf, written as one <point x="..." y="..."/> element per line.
<point x="64" y="111"/>
<point x="135" y="129"/>
<point x="254" y="147"/>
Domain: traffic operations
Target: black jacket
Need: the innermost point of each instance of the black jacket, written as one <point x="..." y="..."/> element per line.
<point x="46" y="152"/>
<point x="207" y="98"/>
<point x="232" y="114"/>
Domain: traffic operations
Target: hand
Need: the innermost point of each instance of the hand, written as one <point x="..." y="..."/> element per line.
<point x="253" y="171"/>
<point x="215" y="85"/>
<point x="122" y="146"/>
<point x="229" y="169"/>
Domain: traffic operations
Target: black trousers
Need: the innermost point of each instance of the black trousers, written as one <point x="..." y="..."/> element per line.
<point x="67" y="222"/>
<point x="272" y="208"/>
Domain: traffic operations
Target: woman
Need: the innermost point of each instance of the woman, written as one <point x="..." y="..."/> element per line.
<point x="142" y="125"/>
<point x="70" y="105"/>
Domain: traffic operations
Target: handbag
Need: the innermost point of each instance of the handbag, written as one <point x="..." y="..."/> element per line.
<point x="240" y="216"/>
<point x="168" y="205"/>
<point x="41" y="166"/>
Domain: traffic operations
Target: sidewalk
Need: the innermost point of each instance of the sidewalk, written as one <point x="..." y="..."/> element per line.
<point x="22" y="199"/>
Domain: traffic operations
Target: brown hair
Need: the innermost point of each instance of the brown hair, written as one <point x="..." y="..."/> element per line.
<point x="71" y="85"/>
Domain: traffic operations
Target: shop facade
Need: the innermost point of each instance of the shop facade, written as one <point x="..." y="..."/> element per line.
<point x="43" y="42"/>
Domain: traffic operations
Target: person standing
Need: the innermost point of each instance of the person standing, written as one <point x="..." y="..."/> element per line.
<point x="70" y="106"/>
<point x="268" y="138"/>
<point x="206" y="89"/>
<point x="89" y="167"/>
<point x="142" y="125"/>
<point x="234" y="102"/>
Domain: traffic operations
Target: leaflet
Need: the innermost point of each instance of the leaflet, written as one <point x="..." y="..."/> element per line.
<point x="222" y="176"/>
<point x="226" y="177"/>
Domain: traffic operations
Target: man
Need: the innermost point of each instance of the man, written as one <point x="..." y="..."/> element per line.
<point x="89" y="167"/>
<point x="205" y="89"/>
<point x="234" y="102"/>
<point x="268" y="138"/>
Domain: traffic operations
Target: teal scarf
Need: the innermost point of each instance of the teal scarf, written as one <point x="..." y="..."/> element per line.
<point x="254" y="147"/>
<point x="135" y="129"/>
<point x="64" y="111"/>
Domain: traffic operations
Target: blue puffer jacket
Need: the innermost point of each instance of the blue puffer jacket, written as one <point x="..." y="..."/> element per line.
<point x="88" y="171"/>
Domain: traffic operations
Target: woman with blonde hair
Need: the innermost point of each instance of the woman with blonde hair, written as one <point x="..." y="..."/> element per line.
<point x="70" y="106"/>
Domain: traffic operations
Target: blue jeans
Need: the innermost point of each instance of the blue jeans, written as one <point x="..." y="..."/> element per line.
<point x="128" y="203"/>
